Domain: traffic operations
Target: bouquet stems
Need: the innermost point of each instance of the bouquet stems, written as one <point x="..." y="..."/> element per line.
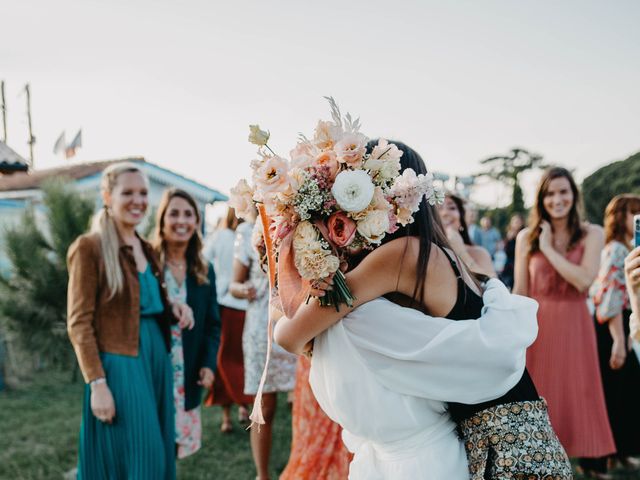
<point x="340" y="294"/>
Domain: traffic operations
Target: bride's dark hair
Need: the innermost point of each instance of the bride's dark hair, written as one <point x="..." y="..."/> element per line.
<point x="427" y="225"/>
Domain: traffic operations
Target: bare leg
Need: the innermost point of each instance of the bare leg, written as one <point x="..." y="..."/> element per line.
<point x="261" y="437"/>
<point x="226" y="419"/>
<point x="243" y="414"/>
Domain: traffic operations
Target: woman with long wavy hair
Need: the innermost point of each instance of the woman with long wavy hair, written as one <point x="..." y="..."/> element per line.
<point x="191" y="280"/>
<point x="557" y="259"/>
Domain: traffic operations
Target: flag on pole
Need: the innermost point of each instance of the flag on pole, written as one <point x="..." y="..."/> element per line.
<point x="75" y="143"/>
<point x="60" y="144"/>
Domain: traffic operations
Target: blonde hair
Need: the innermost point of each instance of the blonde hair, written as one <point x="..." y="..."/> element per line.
<point x="104" y="225"/>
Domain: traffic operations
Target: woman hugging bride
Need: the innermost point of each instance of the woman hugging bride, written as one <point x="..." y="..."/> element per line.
<point x="426" y="370"/>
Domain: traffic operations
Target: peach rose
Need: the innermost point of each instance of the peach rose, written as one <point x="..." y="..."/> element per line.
<point x="342" y="230"/>
<point x="328" y="158"/>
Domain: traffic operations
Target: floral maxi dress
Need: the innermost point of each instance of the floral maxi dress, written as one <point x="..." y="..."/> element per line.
<point x="188" y="423"/>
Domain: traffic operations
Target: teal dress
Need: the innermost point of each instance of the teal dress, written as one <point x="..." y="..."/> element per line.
<point x="140" y="444"/>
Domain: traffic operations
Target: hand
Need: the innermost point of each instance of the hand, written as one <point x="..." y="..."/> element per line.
<point x="206" y="377"/>
<point x="320" y="287"/>
<point x="546" y="236"/>
<point x="184" y="314"/>
<point x="102" y="404"/>
<point x="632" y="271"/>
<point x="618" y="355"/>
<point x="249" y="291"/>
<point x="455" y="239"/>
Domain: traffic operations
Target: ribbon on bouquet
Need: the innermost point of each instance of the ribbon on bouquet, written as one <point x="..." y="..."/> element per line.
<point x="256" y="416"/>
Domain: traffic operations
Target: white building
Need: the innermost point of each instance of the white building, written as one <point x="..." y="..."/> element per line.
<point x="20" y="189"/>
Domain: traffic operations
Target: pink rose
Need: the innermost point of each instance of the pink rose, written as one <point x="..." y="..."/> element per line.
<point x="342" y="230"/>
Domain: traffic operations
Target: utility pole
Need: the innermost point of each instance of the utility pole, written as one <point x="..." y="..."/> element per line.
<point x="32" y="139"/>
<point x="3" y="106"/>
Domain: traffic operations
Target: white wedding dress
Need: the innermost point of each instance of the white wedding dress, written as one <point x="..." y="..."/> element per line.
<point x="384" y="373"/>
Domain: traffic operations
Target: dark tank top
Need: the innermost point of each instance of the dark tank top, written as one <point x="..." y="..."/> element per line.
<point x="469" y="305"/>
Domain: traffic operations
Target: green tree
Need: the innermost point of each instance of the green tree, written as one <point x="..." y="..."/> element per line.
<point x="33" y="298"/>
<point x="507" y="169"/>
<point x="605" y="183"/>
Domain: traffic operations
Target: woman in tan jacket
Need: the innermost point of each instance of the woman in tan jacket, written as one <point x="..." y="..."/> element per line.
<point x="119" y="321"/>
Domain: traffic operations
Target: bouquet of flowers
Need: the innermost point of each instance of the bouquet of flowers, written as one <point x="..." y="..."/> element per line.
<point x="331" y="199"/>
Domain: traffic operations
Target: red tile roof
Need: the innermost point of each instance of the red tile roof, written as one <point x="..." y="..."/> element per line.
<point x="33" y="179"/>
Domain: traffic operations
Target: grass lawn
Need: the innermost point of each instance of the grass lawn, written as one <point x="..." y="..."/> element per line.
<point x="39" y="426"/>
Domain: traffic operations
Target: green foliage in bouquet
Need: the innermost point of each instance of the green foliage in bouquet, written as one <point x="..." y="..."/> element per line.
<point x="33" y="298"/>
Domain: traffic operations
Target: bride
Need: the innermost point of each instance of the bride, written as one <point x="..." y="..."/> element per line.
<point x="386" y="371"/>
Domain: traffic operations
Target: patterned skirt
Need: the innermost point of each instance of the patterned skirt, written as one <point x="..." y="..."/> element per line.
<point x="514" y="441"/>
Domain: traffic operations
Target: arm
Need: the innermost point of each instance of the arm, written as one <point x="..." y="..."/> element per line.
<point x="608" y="294"/>
<point x="521" y="265"/>
<point x="82" y="263"/>
<point x="477" y="259"/>
<point x="239" y="287"/>
<point x="482" y="261"/>
<point x="619" y="348"/>
<point x="467" y="361"/>
<point x="632" y="278"/>
<point x="378" y="274"/>
<point x="580" y="276"/>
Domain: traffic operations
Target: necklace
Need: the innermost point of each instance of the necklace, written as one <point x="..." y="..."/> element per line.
<point x="178" y="265"/>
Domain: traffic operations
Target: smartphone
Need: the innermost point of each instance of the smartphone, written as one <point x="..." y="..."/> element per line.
<point x="636" y="230"/>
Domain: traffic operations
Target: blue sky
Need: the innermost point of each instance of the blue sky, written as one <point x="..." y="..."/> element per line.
<point x="178" y="82"/>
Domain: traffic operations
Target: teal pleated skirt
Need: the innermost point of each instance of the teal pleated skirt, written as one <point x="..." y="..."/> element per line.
<point x="140" y="443"/>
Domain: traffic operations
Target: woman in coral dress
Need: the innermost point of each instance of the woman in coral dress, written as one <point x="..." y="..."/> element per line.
<point x="317" y="450"/>
<point x="557" y="259"/>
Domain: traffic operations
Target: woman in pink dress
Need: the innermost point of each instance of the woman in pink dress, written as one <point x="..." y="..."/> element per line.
<point x="557" y="259"/>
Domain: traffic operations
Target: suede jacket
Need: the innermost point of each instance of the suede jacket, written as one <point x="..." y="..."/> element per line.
<point x="97" y="323"/>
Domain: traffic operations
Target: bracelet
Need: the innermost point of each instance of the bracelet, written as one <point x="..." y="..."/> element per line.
<point x="97" y="381"/>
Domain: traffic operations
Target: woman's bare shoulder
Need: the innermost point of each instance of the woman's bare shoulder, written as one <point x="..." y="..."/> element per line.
<point x="524" y="233"/>
<point x="394" y="250"/>
<point x="592" y="229"/>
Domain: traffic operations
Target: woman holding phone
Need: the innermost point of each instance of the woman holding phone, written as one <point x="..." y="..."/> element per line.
<point x="618" y="365"/>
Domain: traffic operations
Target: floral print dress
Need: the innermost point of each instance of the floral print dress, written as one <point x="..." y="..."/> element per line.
<point x="282" y="366"/>
<point x="609" y="290"/>
<point x="188" y="423"/>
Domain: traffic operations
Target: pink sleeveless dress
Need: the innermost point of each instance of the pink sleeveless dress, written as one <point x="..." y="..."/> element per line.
<point x="563" y="361"/>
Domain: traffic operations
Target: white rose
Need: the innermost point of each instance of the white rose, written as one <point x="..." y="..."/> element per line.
<point x="374" y="226"/>
<point x="353" y="190"/>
